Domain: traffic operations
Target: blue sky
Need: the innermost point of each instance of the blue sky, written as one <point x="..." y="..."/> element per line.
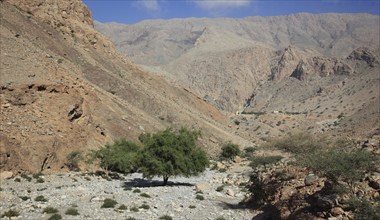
<point x="133" y="11"/>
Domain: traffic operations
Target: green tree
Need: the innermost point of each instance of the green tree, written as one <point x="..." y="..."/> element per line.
<point x="122" y="156"/>
<point x="170" y="153"/>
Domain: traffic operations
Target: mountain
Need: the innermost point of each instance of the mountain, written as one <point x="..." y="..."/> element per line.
<point x="317" y="72"/>
<point x="65" y="88"/>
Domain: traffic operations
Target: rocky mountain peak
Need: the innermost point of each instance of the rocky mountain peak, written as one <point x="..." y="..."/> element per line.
<point x="364" y="54"/>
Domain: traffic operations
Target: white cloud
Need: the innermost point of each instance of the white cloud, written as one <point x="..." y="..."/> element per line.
<point x="219" y="4"/>
<point x="151" y="5"/>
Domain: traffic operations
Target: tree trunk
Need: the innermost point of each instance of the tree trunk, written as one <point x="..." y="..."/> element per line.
<point x="166" y="180"/>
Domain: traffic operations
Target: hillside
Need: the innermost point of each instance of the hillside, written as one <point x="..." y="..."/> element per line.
<point x="310" y="68"/>
<point x="64" y="88"/>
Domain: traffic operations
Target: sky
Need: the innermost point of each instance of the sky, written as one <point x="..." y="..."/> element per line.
<point x="133" y="11"/>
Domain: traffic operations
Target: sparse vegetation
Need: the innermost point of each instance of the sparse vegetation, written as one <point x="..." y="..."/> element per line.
<point x="199" y="197"/>
<point x="145" y="195"/>
<point x="24" y="198"/>
<point x="28" y="178"/>
<point x="220" y="188"/>
<point x="165" y="217"/>
<point x="72" y="211"/>
<point x="73" y="159"/>
<point x="144" y="206"/>
<point x="134" y="209"/>
<point x="55" y="216"/>
<point x="50" y="210"/>
<point x="10" y="213"/>
<point x="137" y="191"/>
<point x="122" y="207"/>
<point x="229" y="151"/>
<point x="40" y="199"/>
<point x="264" y="160"/>
<point x="192" y="206"/>
<point x="109" y="203"/>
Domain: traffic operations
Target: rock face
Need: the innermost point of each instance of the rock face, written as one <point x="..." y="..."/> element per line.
<point x="65" y="88"/>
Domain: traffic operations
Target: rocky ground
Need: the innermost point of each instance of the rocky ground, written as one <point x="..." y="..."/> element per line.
<point x="86" y="192"/>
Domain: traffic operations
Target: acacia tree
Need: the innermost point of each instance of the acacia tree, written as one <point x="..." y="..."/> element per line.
<point x="171" y="153"/>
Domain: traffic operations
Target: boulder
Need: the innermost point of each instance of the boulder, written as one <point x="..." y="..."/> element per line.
<point x="336" y="211"/>
<point x="310" y="179"/>
<point x="230" y="192"/>
<point x="6" y="175"/>
<point x="202" y="187"/>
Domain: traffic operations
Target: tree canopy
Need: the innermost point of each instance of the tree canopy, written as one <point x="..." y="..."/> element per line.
<point x="170" y="153"/>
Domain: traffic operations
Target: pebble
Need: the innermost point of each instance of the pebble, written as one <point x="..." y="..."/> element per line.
<point x="62" y="192"/>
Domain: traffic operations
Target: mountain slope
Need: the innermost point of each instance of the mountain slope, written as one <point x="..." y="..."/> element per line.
<point x="320" y="71"/>
<point x="65" y="88"/>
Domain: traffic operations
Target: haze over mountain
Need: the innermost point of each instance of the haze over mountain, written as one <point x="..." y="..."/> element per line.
<point x="301" y="63"/>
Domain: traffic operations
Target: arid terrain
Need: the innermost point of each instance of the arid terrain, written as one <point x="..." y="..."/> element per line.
<point x="70" y="84"/>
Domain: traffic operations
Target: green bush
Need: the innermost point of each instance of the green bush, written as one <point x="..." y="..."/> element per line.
<point x="264" y="160"/>
<point x="229" y="151"/>
<point x="199" y="197"/>
<point x="364" y="210"/>
<point x="136" y="191"/>
<point x="220" y="188"/>
<point x="24" y="198"/>
<point x="192" y="206"/>
<point x="108" y="203"/>
<point x="134" y="209"/>
<point x="123" y="207"/>
<point x="165" y="217"/>
<point x="56" y="216"/>
<point x="130" y="218"/>
<point x="338" y="164"/>
<point x="73" y="159"/>
<point x="28" y="178"/>
<point x="144" y="206"/>
<point x="220" y="218"/>
<point x="40" y="180"/>
<point x="50" y="210"/>
<point x="72" y="211"/>
<point x="122" y="156"/>
<point x="40" y="199"/>
<point x="172" y="153"/>
<point x="37" y="175"/>
<point x="299" y="143"/>
<point x="145" y="195"/>
<point x="10" y="213"/>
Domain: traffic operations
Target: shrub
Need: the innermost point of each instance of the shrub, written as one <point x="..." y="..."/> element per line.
<point x="364" y="210"/>
<point x="192" y="206"/>
<point x="338" y="164"/>
<point x="122" y="156"/>
<point x="72" y="211"/>
<point x="137" y="191"/>
<point x="17" y="180"/>
<point x="123" y="207"/>
<point x="199" y="197"/>
<point x="50" y="210"/>
<point x="73" y="159"/>
<point x="24" y="198"/>
<point x="229" y="151"/>
<point x="37" y="175"/>
<point x="248" y="152"/>
<point x="145" y="195"/>
<point x="40" y="199"/>
<point x="220" y="218"/>
<point x="134" y="209"/>
<point x="144" y="206"/>
<point x="108" y="203"/>
<point x="10" y="213"/>
<point x="28" y="178"/>
<point x="40" y="180"/>
<point x="220" y="188"/>
<point x="299" y="143"/>
<point x="56" y="216"/>
<point x="172" y="153"/>
<point x="264" y="160"/>
<point x="130" y="218"/>
<point x="165" y="217"/>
